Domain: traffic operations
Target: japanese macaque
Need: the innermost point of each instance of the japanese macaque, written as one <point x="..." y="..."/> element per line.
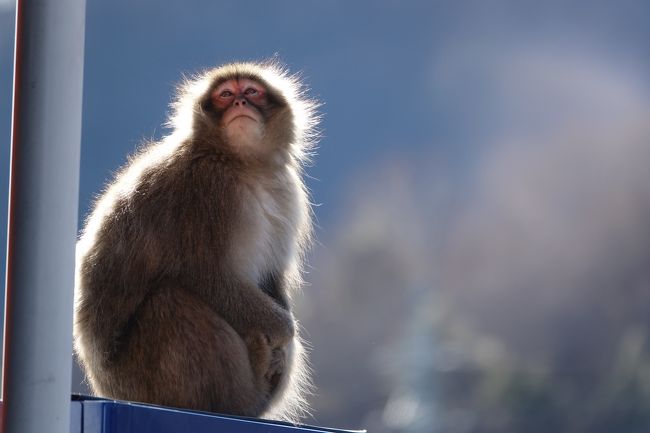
<point x="187" y="264"/>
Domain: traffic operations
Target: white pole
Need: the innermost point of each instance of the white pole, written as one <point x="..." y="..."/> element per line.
<point x="43" y="200"/>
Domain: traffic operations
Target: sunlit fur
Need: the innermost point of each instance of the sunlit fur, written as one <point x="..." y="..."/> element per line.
<point x="271" y="232"/>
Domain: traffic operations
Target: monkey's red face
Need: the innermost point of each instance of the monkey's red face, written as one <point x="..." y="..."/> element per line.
<point x="247" y="116"/>
<point x="240" y="101"/>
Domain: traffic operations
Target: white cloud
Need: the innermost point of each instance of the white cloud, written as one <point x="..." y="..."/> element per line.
<point x="557" y="218"/>
<point x="531" y="88"/>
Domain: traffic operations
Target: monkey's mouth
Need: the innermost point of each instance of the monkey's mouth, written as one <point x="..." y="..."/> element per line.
<point x="243" y="115"/>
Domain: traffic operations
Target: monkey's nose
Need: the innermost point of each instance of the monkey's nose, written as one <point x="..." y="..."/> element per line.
<point x="240" y="101"/>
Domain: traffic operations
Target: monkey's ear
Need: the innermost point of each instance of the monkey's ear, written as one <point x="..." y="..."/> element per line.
<point x="207" y="107"/>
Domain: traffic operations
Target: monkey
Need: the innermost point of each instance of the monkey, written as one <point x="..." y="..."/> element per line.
<point x="188" y="262"/>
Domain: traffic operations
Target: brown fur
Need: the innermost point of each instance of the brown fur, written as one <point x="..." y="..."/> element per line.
<point x="187" y="263"/>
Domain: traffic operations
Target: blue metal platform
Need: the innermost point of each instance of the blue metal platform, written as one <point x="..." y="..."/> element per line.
<point x="94" y="415"/>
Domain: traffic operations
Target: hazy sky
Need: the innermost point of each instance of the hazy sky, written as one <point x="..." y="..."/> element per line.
<point x="397" y="79"/>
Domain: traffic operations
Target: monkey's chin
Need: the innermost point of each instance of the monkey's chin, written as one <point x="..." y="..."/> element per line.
<point x="245" y="134"/>
<point x="243" y="117"/>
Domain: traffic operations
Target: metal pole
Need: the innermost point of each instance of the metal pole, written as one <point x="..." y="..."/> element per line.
<point x="43" y="200"/>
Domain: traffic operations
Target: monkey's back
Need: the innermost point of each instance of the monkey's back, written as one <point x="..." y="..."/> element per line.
<point x="166" y="221"/>
<point x="163" y="237"/>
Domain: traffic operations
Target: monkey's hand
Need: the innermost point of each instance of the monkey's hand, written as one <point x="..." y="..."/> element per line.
<point x="267" y="348"/>
<point x="268" y="364"/>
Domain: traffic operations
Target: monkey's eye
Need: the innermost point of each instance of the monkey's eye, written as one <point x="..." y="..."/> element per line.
<point x="250" y="91"/>
<point x="226" y="94"/>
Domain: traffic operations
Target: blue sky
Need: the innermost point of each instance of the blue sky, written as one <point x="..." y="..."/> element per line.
<point x="397" y="79"/>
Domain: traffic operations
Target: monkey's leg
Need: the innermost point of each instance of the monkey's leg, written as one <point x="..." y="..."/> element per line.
<point x="268" y="342"/>
<point x="180" y="353"/>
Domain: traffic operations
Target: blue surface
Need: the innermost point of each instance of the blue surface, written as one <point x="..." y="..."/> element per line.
<point x="92" y="415"/>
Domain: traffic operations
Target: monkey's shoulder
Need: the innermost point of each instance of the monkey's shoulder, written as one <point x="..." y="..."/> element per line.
<point x="175" y="177"/>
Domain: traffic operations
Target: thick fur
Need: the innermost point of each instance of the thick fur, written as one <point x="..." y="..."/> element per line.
<point x="187" y="264"/>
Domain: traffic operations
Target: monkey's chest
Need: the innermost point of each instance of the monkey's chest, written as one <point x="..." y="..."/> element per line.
<point x="265" y="236"/>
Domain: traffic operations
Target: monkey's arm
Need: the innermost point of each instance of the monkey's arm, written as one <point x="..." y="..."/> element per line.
<point x="268" y="330"/>
<point x="250" y="310"/>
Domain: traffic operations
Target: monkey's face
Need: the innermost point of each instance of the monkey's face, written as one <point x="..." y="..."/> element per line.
<point x="241" y="113"/>
<point x="242" y="104"/>
<point x="240" y="100"/>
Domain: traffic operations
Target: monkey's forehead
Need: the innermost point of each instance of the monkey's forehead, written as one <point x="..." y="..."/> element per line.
<point x="236" y="75"/>
<point x="270" y="74"/>
<point x="222" y="78"/>
<point x="237" y="71"/>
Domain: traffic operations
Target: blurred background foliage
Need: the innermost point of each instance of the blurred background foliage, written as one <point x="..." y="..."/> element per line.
<point x="482" y="191"/>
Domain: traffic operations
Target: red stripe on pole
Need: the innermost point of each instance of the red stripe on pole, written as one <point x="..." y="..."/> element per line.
<point x="15" y="139"/>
